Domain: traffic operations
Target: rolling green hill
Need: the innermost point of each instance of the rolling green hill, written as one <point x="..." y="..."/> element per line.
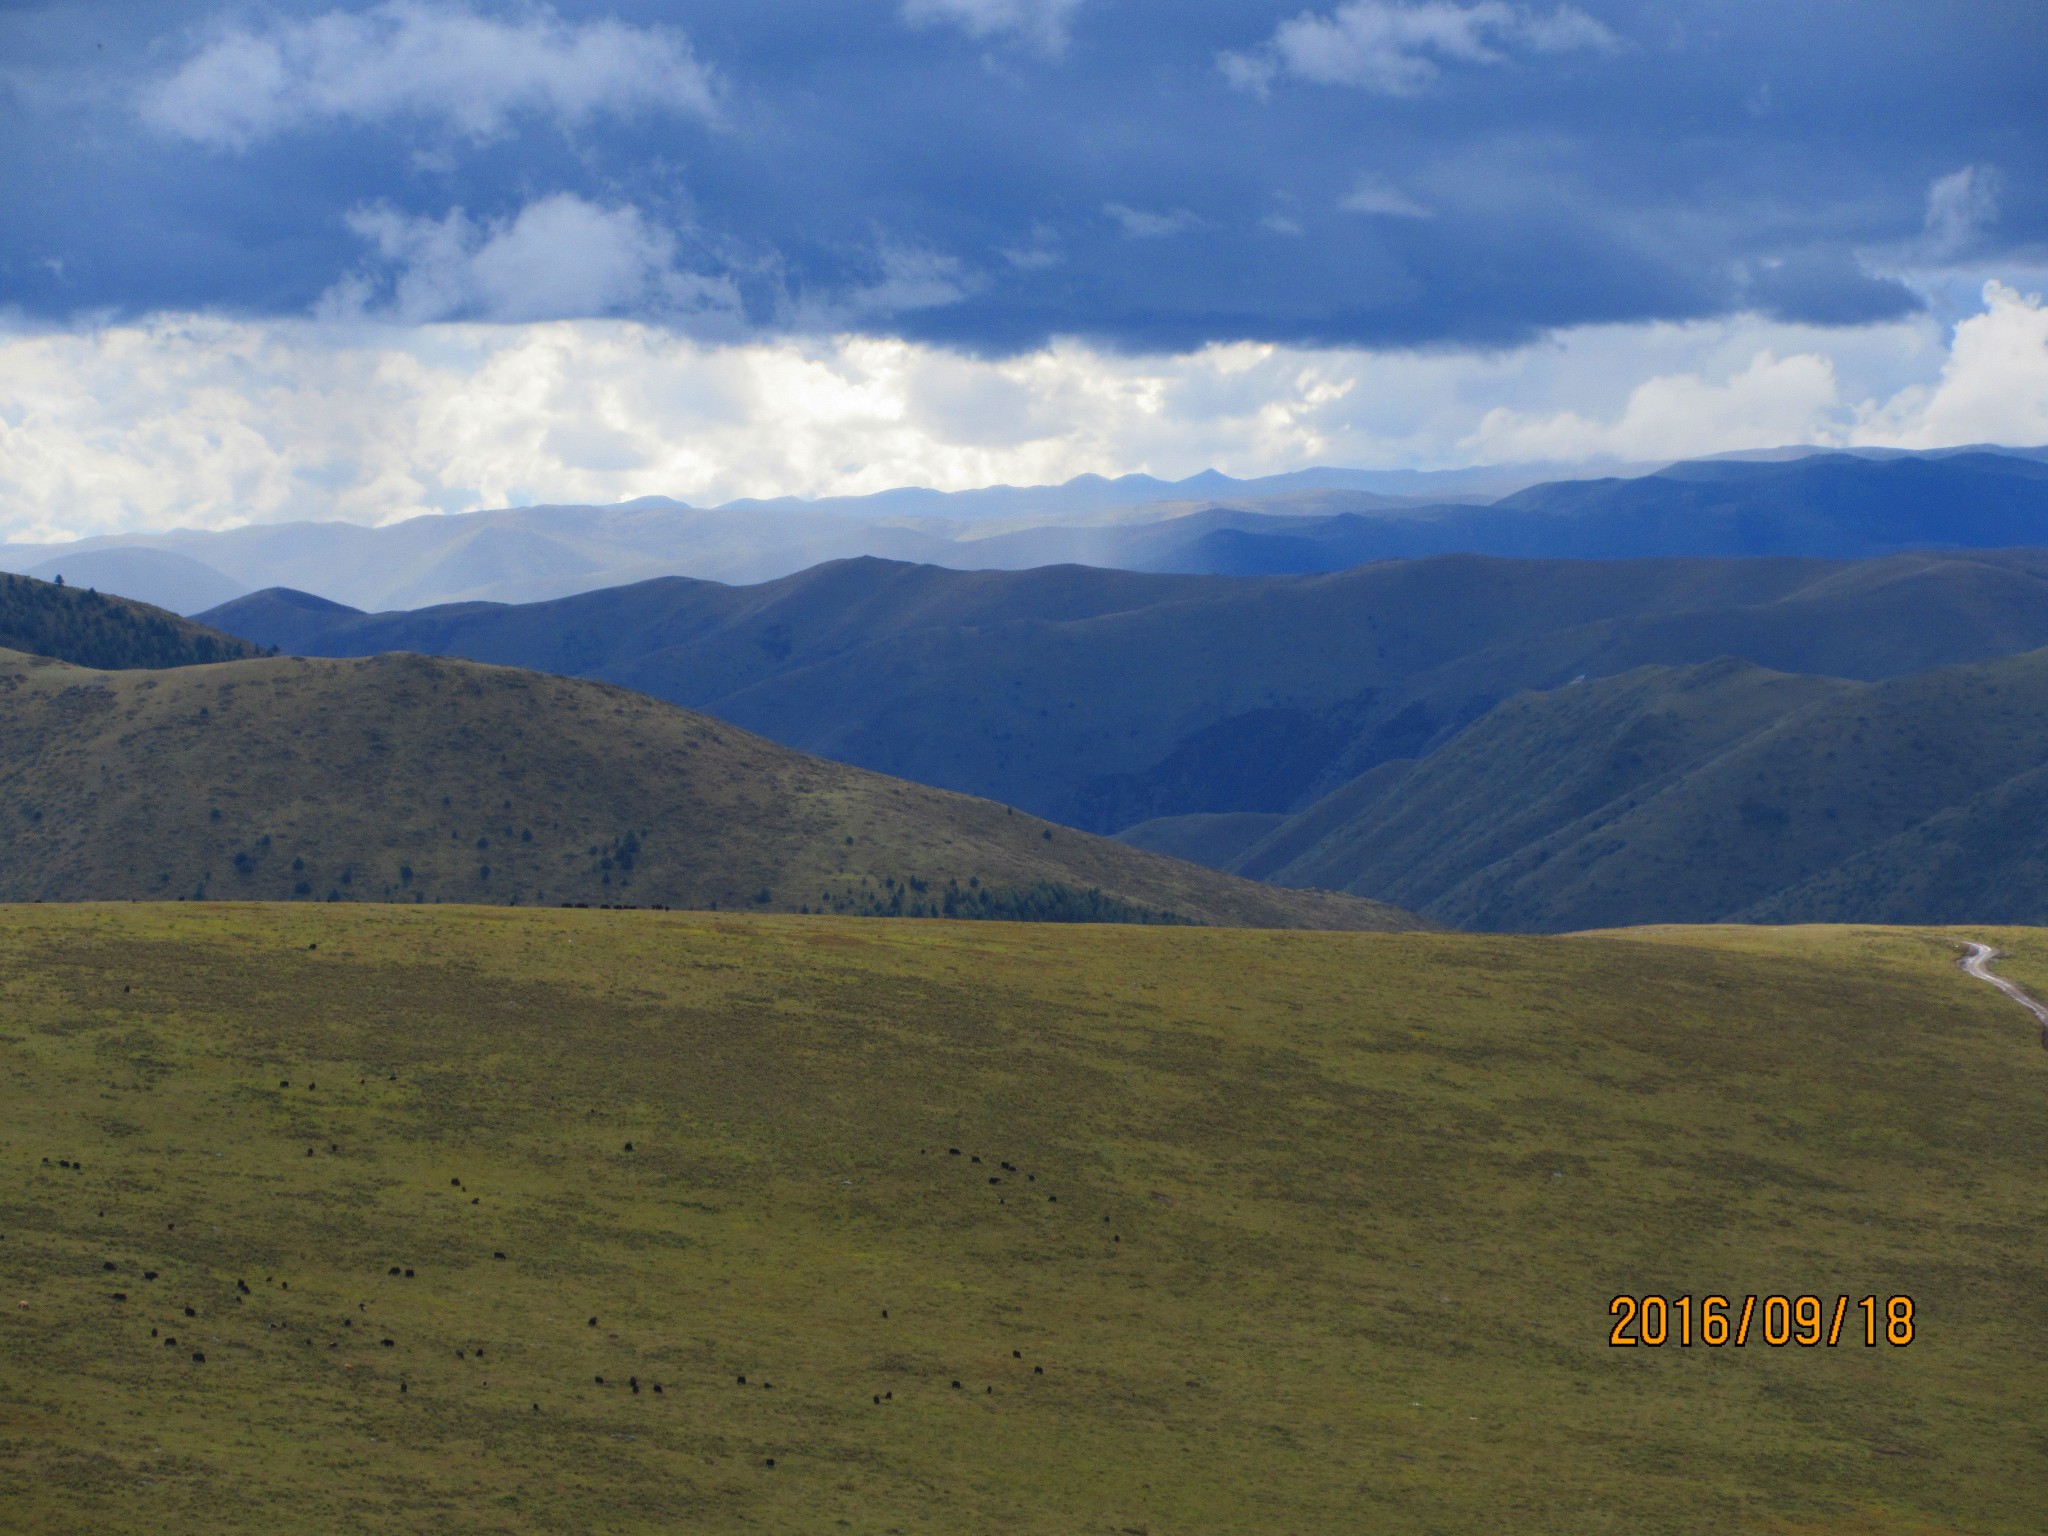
<point x="1294" y="1232"/>
<point x="1700" y="794"/>
<point x="79" y="625"/>
<point x="408" y="778"/>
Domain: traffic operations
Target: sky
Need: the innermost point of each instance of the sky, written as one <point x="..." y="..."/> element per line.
<point x="365" y="261"/>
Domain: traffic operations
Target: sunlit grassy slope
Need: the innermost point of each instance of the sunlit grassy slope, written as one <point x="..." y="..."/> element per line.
<point x="1307" y="1232"/>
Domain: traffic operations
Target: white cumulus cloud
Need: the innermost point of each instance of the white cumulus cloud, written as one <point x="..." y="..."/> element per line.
<point x="1400" y="49"/>
<point x="441" y="61"/>
<point x="1988" y="385"/>
<point x="1993" y="387"/>
<point x="1771" y="402"/>
<point x="560" y="257"/>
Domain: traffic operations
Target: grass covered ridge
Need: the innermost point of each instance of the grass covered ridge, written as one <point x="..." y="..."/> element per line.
<point x="1372" y="1192"/>
<point x="406" y="778"/>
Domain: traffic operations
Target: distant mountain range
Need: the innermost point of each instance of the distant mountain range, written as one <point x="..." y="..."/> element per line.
<point x="524" y="554"/>
<point x="1832" y="505"/>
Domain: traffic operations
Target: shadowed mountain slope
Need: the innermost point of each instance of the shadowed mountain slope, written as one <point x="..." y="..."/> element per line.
<point x="80" y="625"/>
<point x="1104" y="699"/>
<point x="1831" y="506"/>
<point x="1706" y="793"/>
<point x="1988" y="853"/>
<point x="1836" y="506"/>
<point x="1214" y="838"/>
<point x="413" y="778"/>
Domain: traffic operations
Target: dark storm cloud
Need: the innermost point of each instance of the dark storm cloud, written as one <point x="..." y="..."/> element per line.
<point x="987" y="173"/>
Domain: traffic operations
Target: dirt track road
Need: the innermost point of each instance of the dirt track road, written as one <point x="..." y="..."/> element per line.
<point x="1978" y="964"/>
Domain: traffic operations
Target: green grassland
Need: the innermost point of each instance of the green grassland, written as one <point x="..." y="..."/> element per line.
<point x="1305" y="1231"/>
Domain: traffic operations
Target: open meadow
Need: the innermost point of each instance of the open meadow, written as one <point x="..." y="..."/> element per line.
<point x="497" y="1220"/>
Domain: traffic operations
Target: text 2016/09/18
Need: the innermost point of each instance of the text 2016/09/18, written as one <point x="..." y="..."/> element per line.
<point x="1715" y="1321"/>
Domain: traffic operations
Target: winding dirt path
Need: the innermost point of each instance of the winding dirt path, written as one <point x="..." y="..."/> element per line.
<point x="1977" y="963"/>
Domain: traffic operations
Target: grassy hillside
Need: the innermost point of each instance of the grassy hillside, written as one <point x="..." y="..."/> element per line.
<point x="1792" y="801"/>
<point x="1721" y="792"/>
<point x="408" y="778"/>
<point x="1103" y="699"/>
<point x="1987" y="854"/>
<point x="1296" y="1232"/>
<point x="1490" y="811"/>
<point x="80" y="625"/>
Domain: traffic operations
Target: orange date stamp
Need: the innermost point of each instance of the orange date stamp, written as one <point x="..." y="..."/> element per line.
<point x="1719" y="1321"/>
